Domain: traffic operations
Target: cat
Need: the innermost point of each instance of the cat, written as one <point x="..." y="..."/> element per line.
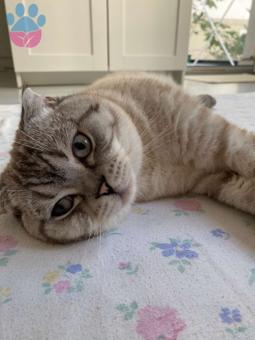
<point x="79" y="162"/>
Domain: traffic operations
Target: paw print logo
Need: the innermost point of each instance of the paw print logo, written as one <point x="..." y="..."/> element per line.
<point x="26" y="31"/>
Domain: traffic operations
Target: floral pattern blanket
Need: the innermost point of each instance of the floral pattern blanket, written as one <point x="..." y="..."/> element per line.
<point x="173" y="269"/>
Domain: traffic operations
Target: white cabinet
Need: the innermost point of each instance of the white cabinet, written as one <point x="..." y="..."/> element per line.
<point x="73" y="36"/>
<point x="64" y="36"/>
<point x="148" y="34"/>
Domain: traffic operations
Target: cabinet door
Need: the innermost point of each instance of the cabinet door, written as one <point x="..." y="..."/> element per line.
<point x="58" y="35"/>
<point x="149" y="34"/>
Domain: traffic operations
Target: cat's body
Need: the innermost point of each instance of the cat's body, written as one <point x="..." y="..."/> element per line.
<point x="185" y="145"/>
<point x="154" y="104"/>
<point x="147" y="139"/>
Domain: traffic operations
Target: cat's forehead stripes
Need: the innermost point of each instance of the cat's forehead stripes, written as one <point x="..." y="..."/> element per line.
<point x="34" y="167"/>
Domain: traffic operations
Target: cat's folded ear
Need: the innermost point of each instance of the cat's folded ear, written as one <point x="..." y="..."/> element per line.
<point x="207" y="100"/>
<point x="35" y="105"/>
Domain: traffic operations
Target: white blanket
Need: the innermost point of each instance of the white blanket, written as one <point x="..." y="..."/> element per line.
<point x="173" y="269"/>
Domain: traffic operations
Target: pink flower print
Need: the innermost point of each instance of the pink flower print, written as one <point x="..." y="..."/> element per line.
<point x="3" y="154"/>
<point x="7" y="242"/>
<point x="61" y="286"/>
<point x="124" y="265"/>
<point x="158" y="323"/>
<point x="188" y="205"/>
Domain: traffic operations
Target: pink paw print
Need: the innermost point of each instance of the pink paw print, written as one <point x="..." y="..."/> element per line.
<point x="26" y="32"/>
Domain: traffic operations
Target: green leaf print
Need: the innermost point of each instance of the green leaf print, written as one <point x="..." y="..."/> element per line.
<point x="47" y="291"/>
<point x="128" y="311"/>
<point x="3" y="261"/>
<point x="241" y="329"/>
<point x="231" y="331"/>
<point x="10" y="252"/>
<point x="7" y="300"/>
<point x="134" y="305"/>
<point x="128" y="315"/>
<point x="62" y="267"/>
<point x="181" y="268"/>
<point x="185" y="262"/>
<point x="122" y="307"/>
<point x="173" y="262"/>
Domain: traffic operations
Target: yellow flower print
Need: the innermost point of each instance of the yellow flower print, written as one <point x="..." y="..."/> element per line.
<point x="51" y="277"/>
<point x="138" y="210"/>
<point x="5" y="291"/>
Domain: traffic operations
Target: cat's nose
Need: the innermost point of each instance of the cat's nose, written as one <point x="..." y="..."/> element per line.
<point x="104" y="188"/>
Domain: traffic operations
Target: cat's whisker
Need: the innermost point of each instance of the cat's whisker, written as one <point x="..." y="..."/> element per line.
<point x="28" y="142"/>
<point x="21" y="143"/>
<point x="90" y="234"/>
<point x="34" y="140"/>
<point x="37" y="133"/>
<point x="14" y="190"/>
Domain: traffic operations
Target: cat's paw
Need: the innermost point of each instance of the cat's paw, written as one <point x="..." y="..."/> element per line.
<point x="26" y="30"/>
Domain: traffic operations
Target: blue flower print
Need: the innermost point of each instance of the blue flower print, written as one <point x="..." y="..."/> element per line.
<point x="74" y="268"/>
<point x="181" y="250"/>
<point x="220" y="233"/>
<point x="233" y="318"/>
<point x="230" y="316"/>
<point x="177" y="248"/>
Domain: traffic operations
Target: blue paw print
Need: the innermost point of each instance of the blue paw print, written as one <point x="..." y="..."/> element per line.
<point x="26" y="31"/>
<point x="26" y="23"/>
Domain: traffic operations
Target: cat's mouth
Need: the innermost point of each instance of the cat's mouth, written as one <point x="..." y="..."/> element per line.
<point x="105" y="189"/>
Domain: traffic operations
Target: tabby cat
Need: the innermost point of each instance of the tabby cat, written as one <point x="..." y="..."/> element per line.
<point x="79" y="162"/>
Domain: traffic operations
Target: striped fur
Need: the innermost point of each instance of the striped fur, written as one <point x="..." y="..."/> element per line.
<point x="150" y="140"/>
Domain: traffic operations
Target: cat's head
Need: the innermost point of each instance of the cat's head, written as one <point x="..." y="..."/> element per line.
<point x="73" y="167"/>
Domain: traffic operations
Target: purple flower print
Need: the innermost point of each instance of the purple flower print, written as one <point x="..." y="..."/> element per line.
<point x="177" y="248"/>
<point x="74" y="268"/>
<point x="220" y="233"/>
<point x="217" y="232"/>
<point x="233" y="318"/>
<point x="61" y="286"/>
<point x="230" y="316"/>
<point x="181" y="250"/>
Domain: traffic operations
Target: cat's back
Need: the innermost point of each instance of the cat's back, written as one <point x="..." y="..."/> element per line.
<point x="138" y="83"/>
<point x="143" y="93"/>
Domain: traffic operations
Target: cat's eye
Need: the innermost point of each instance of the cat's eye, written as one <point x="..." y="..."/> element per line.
<point x="81" y="146"/>
<point x="63" y="206"/>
